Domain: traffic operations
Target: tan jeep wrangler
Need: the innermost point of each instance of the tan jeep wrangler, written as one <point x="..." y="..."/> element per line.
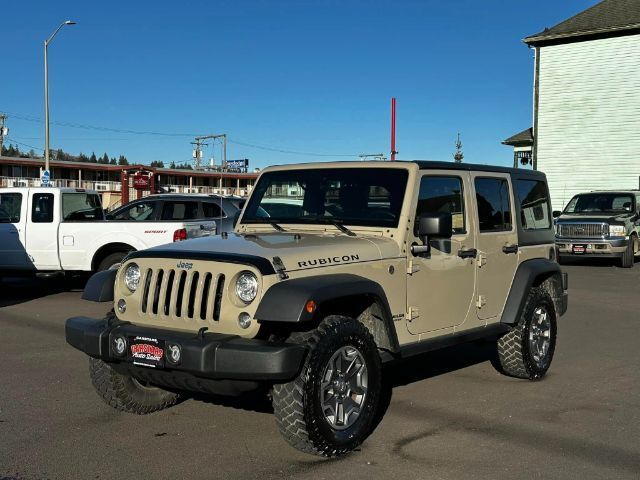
<point x="332" y="270"/>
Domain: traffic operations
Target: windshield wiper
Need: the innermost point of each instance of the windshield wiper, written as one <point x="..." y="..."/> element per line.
<point x="337" y="224"/>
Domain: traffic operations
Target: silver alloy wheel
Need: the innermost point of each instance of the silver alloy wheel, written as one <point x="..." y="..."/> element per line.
<point x="540" y="336"/>
<point x="344" y="387"/>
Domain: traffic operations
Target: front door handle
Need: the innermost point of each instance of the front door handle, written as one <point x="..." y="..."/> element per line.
<point x="510" y="249"/>
<point x="469" y="253"/>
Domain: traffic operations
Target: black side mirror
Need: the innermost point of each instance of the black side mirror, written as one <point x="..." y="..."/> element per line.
<point x="556" y="213"/>
<point x="236" y="217"/>
<point x="434" y="226"/>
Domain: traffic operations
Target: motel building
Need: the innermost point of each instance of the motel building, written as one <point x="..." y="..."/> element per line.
<point x="121" y="184"/>
<point x="586" y="102"/>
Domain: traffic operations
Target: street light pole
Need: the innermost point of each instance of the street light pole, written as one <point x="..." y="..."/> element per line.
<point x="46" y="93"/>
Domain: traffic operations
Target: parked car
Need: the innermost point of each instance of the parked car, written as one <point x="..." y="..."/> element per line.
<point x="54" y="230"/>
<point x="382" y="261"/>
<point x="603" y="224"/>
<point x="183" y="207"/>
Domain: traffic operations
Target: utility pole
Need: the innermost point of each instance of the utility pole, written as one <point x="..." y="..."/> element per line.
<point x="393" y="129"/>
<point x="198" y="143"/>
<point x="4" y="131"/>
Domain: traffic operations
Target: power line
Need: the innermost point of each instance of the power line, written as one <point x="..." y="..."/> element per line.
<point x="30" y="118"/>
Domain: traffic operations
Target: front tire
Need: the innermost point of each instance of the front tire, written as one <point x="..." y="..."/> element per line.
<point x="330" y="407"/>
<point x="125" y="393"/>
<point x="527" y="350"/>
<point x="627" y="259"/>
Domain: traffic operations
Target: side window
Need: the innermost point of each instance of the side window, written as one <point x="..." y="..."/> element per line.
<point x="212" y="210"/>
<point x="139" y="212"/>
<point x="534" y="205"/>
<point x="79" y="207"/>
<point x="439" y="194"/>
<point x="180" y="211"/>
<point x="494" y="211"/>
<point x="10" y="207"/>
<point x="42" y="209"/>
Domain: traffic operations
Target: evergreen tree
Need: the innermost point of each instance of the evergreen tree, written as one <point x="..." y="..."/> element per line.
<point x="173" y="165"/>
<point x="104" y="159"/>
<point x="122" y="160"/>
<point x="157" y="164"/>
<point x="458" y="155"/>
<point x="93" y="158"/>
<point x="113" y="161"/>
<point x="83" y="158"/>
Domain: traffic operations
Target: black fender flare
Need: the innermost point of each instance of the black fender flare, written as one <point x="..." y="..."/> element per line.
<point x="286" y="301"/>
<point x="529" y="273"/>
<point x="99" y="287"/>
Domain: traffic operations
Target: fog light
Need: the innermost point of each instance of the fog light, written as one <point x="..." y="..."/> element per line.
<point x="174" y="353"/>
<point x="119" y="345"/>
<point x="244" y="320"/>
<point x="122" y="305"/>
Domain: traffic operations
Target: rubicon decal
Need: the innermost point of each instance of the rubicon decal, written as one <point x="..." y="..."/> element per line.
<point x="329" y="260"/>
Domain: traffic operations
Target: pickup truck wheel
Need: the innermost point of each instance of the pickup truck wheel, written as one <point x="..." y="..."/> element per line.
<point x="626" y="261"/>
<point x="125" y="393"/>
<point x="111" y="260"/>
<point x="527" y="350"/>
<point x="329" y="408"/>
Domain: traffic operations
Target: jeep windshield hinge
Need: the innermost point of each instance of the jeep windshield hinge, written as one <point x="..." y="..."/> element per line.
<point x="412" y="314"/>
<point x="413" y="267"/>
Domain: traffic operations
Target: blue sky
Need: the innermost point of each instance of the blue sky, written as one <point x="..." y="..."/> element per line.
<point x="305" y="76"/>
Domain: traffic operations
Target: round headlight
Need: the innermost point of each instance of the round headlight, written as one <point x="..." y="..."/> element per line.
<point x="132" y="277"/>
<point x="247" y="287"/>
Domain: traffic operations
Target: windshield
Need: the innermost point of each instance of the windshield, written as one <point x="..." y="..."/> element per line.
<point x="600" y="202"/>
<point x="353" y="196"/>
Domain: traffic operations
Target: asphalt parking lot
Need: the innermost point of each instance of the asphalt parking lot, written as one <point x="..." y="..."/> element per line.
<point x="449" y="414"/>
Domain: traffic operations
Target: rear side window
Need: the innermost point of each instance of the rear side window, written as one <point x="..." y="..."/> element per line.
<point x="442" y="195"/>
<point x="534" y="204"/>
<point x="212" y="210"/>
<point x="138" y="212"/>
<point x="10" y="207"/>
<point x="494" y="211"/>
<point x="79" y="207"/>
<point x="180" y="211"/>
<point x="42" y="209"/>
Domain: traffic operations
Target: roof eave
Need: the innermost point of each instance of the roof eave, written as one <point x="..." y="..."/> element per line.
<point x="538" y="39"/>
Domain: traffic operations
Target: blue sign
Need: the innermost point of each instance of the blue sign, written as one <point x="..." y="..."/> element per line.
<point x="238" y="164"/>
<point x="45" y="178"/>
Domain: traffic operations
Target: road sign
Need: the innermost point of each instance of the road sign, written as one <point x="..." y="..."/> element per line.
<point x="45" y="178"/>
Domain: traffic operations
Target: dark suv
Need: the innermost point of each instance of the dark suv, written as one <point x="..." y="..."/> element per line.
<point x="600" y="224"/>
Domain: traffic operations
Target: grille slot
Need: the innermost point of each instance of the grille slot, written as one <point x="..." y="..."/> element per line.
<point x="218" y="298"/>
<point x="584" y="230"/>
<point x="156" y="291"/>
<point x="166" y="300"/>
<point x="145" y="290"/>
<point x="205" y="296"/>
<point x="180" y="293"/>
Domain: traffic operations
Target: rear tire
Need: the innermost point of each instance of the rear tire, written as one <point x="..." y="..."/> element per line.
<point x="527" y="350"/>
<point x="329" y="408"/>
<point x="125" y="393"/>
<point x="627" y="259"/>
<point x="111" y="260"/>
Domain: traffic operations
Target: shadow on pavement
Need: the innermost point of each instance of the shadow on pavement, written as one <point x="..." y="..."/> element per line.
<point x="17" y="290"/>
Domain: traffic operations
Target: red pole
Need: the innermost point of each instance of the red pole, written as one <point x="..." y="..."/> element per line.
<point x="393" y="129"/>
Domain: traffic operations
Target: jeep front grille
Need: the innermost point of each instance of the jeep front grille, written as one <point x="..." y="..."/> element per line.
<point x="583" y="230"/>
<point x="182" y="294"/>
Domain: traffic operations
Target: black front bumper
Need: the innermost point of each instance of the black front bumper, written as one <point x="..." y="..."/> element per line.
<point x="209" y="355"/>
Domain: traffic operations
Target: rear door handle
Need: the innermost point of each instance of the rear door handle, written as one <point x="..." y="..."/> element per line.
<point x="510" y="249"/>
<point x="470" y="253"/>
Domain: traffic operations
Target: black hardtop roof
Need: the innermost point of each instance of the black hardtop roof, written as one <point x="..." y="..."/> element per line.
<point x="473" y="167"/>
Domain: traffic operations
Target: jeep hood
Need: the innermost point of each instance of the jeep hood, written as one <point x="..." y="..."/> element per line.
<point x="296" y="251"/>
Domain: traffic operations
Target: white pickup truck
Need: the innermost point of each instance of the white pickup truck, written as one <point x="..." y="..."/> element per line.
<point x="48" y="230"/>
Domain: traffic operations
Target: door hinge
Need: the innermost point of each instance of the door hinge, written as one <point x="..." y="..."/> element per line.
<point x="482" y="259"/>
<point x="413" y="267"/>
<point x="482" y="300"/>
<point x="412" y="314"/>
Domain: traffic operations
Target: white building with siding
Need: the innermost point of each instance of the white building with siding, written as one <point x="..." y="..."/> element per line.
<point x="586" y="119"/>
